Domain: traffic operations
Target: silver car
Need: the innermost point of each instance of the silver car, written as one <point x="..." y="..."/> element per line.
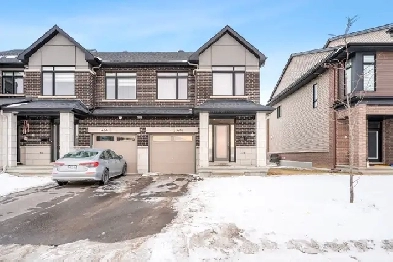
<point x="90" y="164"/>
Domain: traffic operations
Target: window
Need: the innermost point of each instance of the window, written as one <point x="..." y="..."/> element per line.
<point x="58" y="81"/>
<point x="228" y="81"/>
<point x="348" y="77"/>
<point x="76" y="134"/>
<point x="105" y="138"/>
<point x="369" y="72"/>
<point x="314" y="95"/>
<point x="183" y="138"/>
<point x="120" y="86"/>
<point x="278" y="111"/>
<point x="162" y="138"/>
<point x="12" y="82"/>
<point x="172" y="86"/>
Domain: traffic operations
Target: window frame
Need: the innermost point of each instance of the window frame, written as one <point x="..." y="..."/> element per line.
<point x="14" y="91"/>
<point x="234" y="70"/>
<point x="54" y="71"/>
<point x="375" y="71"/>
<point x="116" y="77"/>
<point x="348" y="67"/>
<point x="177" y="77"/>
<point x="315" y="95"/>
<point x="278" y="112"/>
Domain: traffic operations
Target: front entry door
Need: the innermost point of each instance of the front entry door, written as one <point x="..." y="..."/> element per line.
<point x="374" y="146"/>
<point x="221" y="142"/>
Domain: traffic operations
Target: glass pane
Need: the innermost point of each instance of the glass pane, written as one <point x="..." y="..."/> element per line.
<point x="239" y="84"/>
<point x="8" y="87"/>
<point x="127" y="74"/>
<point x="167" y="74"/>
<point x="166" y="88"/>
<point x="348" y="80"/>
<point x="126" y="88"/>
<point x="110" y="74"/>
<point x="368" y="59"/>
<point x="182" y="92"/>
<point x="222" y="84"/>
<point x="110" y="88"/>
<point x="233" y="148"/>
<point x="64" y="84"/>
<point x="47" y="68"/>
<point x="372" y="144"/>
<point x="368" y="77"/>
<point x="105" y="138"/>
<point x="47" y="84"/>
<point x="162" y="138"/>
<point x="19" y="85"/>
<point x="182" y="138"/>
<point x="240" y="68"/>
<point x="18" y="74"/>
<point x="121" y="138"/>
<point x="210" y="143"/>
<point x="221" y="142"/>
<point x="222" y="68"/>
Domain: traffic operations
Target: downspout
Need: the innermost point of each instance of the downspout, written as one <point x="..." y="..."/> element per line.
<point x="4" y="149"/>
<point x="335" y="95"/>
<point x="196" y="80"/>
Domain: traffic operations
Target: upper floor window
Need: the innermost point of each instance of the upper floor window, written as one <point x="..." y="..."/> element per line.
<point x="369" y="72"/>
<point x="172" y="85"/>
<point x="58" y="81"/>
<point x="12" y="82"/>
<point x="278" y="111"/>
<point x="348" y="77"/>
<point x="120" y="86"/>
<point x="228" y="81"/>
<point x="314" y="95"/>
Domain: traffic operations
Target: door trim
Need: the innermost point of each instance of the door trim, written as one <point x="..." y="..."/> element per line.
<point x="376" y="132"/>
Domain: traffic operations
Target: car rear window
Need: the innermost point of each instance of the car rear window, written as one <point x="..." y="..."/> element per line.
<point x="81" y="154"/>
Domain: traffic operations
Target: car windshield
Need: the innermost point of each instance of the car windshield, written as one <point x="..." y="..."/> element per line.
<point x="81" y="154"/>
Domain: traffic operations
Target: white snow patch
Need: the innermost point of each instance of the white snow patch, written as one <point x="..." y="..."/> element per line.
<point x="151" y="174"/>
<point x="10" y="184"/>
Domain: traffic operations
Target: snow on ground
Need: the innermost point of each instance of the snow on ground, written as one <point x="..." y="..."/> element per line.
<point x="281" y="218"/>
<point x="10" y="183"/>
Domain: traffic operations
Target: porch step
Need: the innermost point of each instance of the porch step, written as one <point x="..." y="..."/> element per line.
<point x="30" y="170"/>
<point x="233" y="170"/>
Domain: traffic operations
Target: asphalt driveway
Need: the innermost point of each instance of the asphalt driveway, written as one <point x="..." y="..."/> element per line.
<point x="127" y="208"/>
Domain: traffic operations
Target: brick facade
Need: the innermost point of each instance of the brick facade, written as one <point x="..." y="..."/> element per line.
<point x="84" y="84"/>
<point x="387" y="140"/>
<point x="32" y="84"/>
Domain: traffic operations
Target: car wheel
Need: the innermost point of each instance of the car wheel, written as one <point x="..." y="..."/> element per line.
<point x="62" y="183"/>
<point x="105" y="177"/>
<point x="124" y="170"/>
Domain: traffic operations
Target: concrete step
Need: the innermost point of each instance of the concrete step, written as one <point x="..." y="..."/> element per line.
<point x="30" y="170"/>
<point x="232" y="170"/>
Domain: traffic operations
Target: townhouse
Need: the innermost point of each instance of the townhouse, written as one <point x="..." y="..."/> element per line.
<point x="168" y="112"/>
<point x="310" y="125"/>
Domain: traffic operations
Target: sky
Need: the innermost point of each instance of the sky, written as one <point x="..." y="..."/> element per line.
<point x="277" y="28"/>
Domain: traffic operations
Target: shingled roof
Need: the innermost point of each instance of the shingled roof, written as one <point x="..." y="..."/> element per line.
<point x="144" y="57"/>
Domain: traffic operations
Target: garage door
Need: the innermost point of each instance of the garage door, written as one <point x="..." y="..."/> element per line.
<point x="172" y="154"/>
<point x="125" y="145"/>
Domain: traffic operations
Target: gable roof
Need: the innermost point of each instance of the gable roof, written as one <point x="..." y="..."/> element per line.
<point x="25" y="55"/>
<point x="297" y="66"/>
<point x="228" y="30"/>
<point x="362" y="32"/>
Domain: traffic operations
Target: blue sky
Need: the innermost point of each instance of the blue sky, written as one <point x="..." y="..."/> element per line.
<point x="277" y="28"/>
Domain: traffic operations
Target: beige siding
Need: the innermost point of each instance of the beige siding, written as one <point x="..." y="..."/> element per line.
<point x="228" y="51"/>
<point x="302" y="128"/>
<point x="298" y="66"/>
<point x="377" y="36"/>
<point x="58" y="51"/>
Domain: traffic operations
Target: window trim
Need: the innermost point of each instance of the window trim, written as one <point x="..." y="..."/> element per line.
<point x="53" y="71"/>
<point x="116" y="77"/>
<point x="375" y="70"/>
<point x="315" y="95"/>
<point x="278" y="112"/>
<point x="177" y="77"/>
<point x="14" y="92"/>
<point x="234" y="71"/>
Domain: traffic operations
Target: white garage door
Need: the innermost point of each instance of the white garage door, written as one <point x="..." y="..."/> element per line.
<point x="121" y="144"/>
<point x="172" y="154"/>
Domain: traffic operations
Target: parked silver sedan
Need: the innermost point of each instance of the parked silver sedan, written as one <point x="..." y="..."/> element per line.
<point x="90" y="164"/>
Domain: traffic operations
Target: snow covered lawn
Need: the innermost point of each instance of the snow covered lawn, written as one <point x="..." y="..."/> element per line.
<point x="10" y="183"/>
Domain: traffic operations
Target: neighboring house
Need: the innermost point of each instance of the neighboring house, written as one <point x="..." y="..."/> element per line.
<point x="309" y="126"/>
<point x="169" y="112"/>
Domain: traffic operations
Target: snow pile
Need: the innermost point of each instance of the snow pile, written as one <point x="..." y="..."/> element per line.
<point x="10" y="183"/>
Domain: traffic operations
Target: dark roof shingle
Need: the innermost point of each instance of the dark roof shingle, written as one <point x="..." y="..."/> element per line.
<point x="110" y="111"/>
<point x="232" y="106"/>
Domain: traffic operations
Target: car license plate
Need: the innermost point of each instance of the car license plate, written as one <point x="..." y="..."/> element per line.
<point x="72" y="167"/>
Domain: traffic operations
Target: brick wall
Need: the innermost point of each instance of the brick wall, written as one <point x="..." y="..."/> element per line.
<point x="387" y="141"/>
<point x="38" y="128"/>
<point x="32" y="83"/>
<point x="84" y="83"/>
<point x="146" y="81"/>
<point x="342" y="142"/>
<point x="252" y="86"/>
<point x="204" y="86"/>
<point x="245" y="130"/>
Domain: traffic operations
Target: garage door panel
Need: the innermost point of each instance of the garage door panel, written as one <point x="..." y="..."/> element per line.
<point x="122" y="144"/>
<point x="172" y="154"/>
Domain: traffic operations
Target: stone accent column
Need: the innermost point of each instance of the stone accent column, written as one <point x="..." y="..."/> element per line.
<point x="261" y="140"/>
<point x="10" y="139"/>
<point x="66" y="133"/>
<point x="143" y="159"/>
<point x="203" y="139"/>
<point x="360" y="128"/>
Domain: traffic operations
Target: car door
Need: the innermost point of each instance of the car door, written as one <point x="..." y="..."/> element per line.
<point x="109" y="162"/>
<point x="116" y="162"/>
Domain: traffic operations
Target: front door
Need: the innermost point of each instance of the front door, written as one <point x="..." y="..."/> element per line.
<point x="221" y="142"/>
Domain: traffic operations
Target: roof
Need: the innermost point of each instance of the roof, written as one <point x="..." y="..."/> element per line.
<point x="228" y="30"/>
<point x="143" y="57"/>
<point x="297" y="66"/>
<point x="10" y="101"/>
<point x="10" y="56"/>
<point x="117" y="111"/>
<point x="45" y="105"/>
<point x="231" y="106"/>
<point x="369" y="30"/>
<point x="24" y="56"/>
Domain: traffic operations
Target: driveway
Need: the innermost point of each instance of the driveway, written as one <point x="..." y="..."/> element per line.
<point x="127" y="208"/>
